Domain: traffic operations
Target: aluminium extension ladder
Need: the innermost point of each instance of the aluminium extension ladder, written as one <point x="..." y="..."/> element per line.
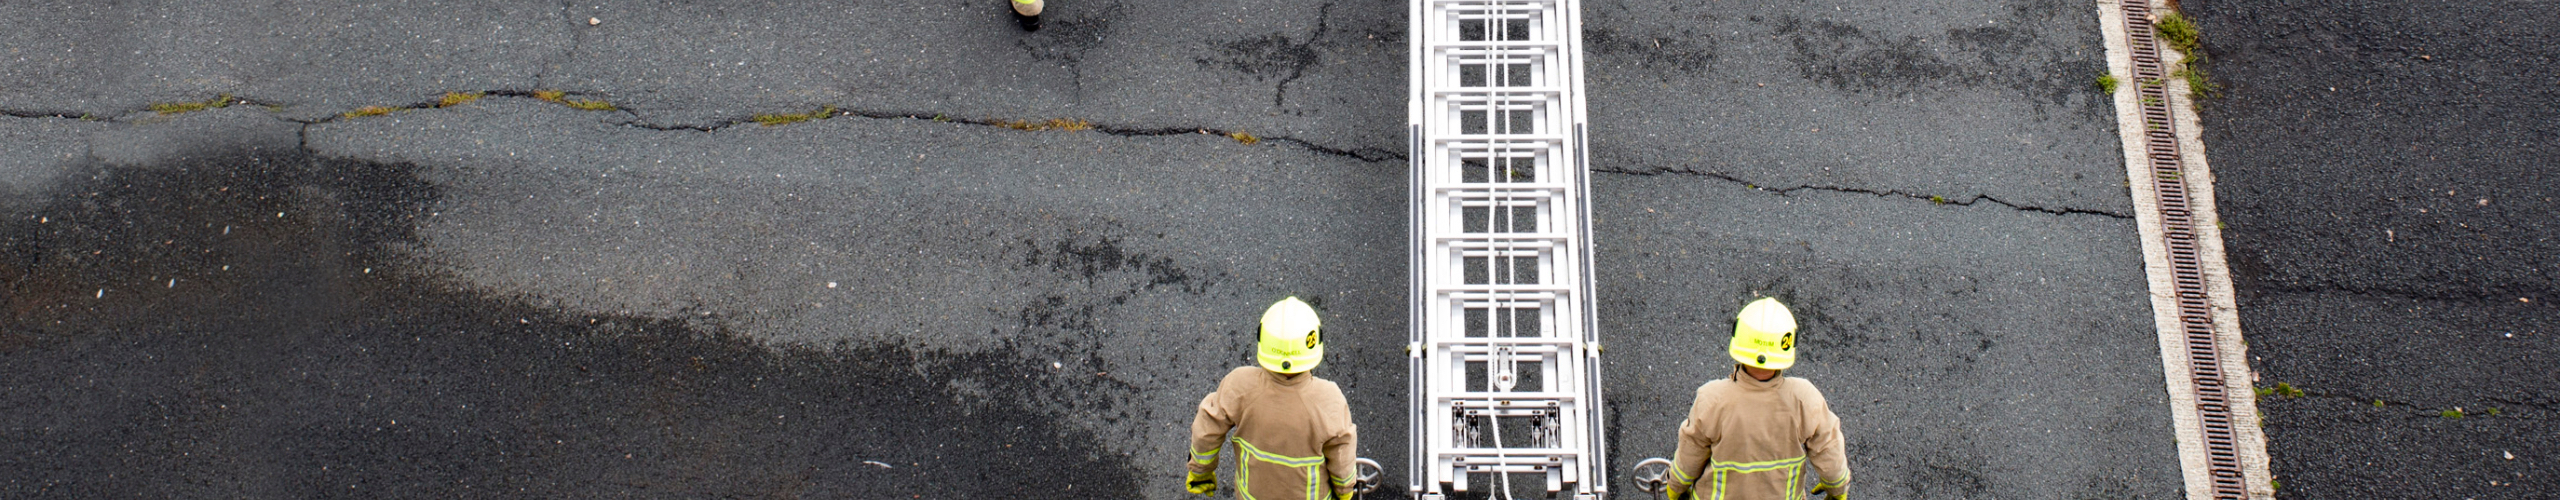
<point x="1506" y="375"/>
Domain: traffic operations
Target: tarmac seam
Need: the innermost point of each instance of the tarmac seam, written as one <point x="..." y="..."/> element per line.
<point x="2483" y="298"/>
<point x="2466" y="412"/>
<point x="1881" y="193"/>
<point x="1370" y="155"/>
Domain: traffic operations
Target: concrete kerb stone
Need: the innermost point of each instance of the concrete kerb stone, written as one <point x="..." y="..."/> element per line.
<point x="2250" y="435"/>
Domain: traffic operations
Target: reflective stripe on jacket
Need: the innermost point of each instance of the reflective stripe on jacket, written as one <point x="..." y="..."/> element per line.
<point x="1748" y="439"/>
<point x="1293" y="435"/>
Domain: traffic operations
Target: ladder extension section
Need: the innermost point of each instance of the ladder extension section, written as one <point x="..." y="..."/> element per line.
<point x="1506" y="372"/>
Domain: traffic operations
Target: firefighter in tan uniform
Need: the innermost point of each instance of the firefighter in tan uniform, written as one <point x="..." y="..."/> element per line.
<point x="1293" y="434"/>
<point x="1751" y="434"/>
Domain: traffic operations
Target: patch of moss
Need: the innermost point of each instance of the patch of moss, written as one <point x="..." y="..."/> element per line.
<point x="770" y="120"/>
<point x="2107" y="83"/>
<point x="1068" y="125"/>
<point x="549" y="95"/>
<point x="171" y="108"/>
<point x="368" y="111"/>
<point x="1247" y="139"/>
<point x="1065" y="124"/>
<point x="589" y="104"/>
<point x="452" y="99"/>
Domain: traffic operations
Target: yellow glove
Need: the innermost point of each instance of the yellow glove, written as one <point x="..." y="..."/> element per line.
<point x="1840" y="492"/>
<point x="1203" y="483"/>
<point x="1343" y="495"/>
<point x="1679" y="494"/>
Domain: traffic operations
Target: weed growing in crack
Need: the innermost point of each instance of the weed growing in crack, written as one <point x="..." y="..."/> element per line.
<point x="1942" y="200"/>
<point x="549" y="95"/>
<point x="452" y="99"/>
<point x="171" y="108"/>
<point x="2199" y="83"/>
<point x="368" y="111"/>
<point x="2175" y="28"/>
<point x="2453" y="413"/>
<point x="1247" y="139"/>
<point x="2493" y="411"/>
<point x="2377" y="403"/>
<point x="770" y="120"/>
<point x="940" y="118"/>
<point x="2182" y="35"/>
<point x="2281" y="389"/>
<point x="2107" y="83"/>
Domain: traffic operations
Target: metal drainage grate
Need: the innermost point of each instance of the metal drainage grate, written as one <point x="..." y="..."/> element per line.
<point x="2195" y="311"/>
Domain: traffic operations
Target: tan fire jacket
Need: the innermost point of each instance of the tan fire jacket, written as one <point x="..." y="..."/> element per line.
<point x="1747" y="439"/>
<point x="1294" y="434"/>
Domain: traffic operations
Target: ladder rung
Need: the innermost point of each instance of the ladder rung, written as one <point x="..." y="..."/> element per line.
<point x="1497" y="138"/>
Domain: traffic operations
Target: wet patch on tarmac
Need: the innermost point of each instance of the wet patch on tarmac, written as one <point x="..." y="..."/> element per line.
<point x="1688" y="53"/>
<point x="2015" y="52"/>
<point x="255" y="324"/>
<point x="1066" y="34"/>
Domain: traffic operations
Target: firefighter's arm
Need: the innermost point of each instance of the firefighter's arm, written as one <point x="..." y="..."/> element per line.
<point x="1208" y="432"/>
<point x="1829" y="449"/>
<point x="1691" y="460"/>
<point x="1341" y="455"/>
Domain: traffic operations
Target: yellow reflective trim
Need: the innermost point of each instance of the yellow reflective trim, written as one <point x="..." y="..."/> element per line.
<point x="1684" y="478"/>
<point x="1757" y="466"/>
<point x="1203" y="457"/>
<point x="1722" y="473"/>
<point x="1257" y="453"/>
<point x="1244" y="471"/>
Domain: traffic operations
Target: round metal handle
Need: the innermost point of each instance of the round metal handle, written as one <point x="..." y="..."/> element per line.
<point x="1368" y="472"/>
<point x="1649" y="474"/>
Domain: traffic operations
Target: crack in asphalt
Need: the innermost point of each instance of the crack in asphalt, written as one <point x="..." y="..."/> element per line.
<point x="577" y="41"/>
<point x="43" y="114"/>
<point x="636" y="120"/>
<point x="1881" y="193"/>
<point x="1280" y="93"/>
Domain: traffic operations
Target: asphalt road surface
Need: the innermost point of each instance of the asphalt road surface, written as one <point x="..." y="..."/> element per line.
<point x="1005" y="263"/>
<point x="2385" y="170"/>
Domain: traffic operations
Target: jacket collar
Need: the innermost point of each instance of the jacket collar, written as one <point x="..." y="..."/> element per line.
<point x="1745" y="380"/>
<point x="1284" y="380"/>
